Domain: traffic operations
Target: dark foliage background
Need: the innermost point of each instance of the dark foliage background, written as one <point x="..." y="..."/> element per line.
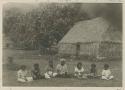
<point x="46" y="24"/>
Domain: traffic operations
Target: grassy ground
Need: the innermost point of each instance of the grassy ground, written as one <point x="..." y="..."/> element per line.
<point x="30" y="57"/>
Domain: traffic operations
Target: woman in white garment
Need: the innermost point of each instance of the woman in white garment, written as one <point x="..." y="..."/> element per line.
<point x="106" y="73"/>
<point x="22" y="75"/>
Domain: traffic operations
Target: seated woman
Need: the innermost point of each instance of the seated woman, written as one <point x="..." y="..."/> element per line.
<point x="22" y="75"/>
<point x="36" y="73"/>
<point x="62" y="70"/>
<point x="79" y="71"/>
<point x="106" y="73"/>
<point x="50" y="71"/>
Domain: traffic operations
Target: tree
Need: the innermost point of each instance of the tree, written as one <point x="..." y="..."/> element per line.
<point x="41" y="26"/>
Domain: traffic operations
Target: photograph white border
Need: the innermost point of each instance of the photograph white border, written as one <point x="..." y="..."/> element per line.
<point x="63" y="88"/>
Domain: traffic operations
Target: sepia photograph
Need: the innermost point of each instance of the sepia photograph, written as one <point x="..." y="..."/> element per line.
<point x="62" y="44"/>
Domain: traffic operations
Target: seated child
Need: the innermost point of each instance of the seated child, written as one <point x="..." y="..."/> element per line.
<point x="22" y="75"/>
<point x="50" y="71"/>
<point x="79" y="71"/>
<point x="106" y="73"/>
<point x="62" y="70"/>
<point x="36" y="74"/>
<point x="93" y="72"/>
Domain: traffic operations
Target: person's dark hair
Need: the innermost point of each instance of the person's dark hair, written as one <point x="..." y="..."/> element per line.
<point x="93" y="65"/>
<point x="79" y="64"/>
<point x="106" y="66"/>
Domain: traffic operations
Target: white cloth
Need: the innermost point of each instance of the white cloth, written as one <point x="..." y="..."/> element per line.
<point x="62" y="59"/>
<point x="109" y="78"/>
<point x="62" y="69"/>
<point x="22" y="76"/>
<point x="78" y="71"/>
<point x="49" y="74"/>
<point x="106" y="74"/>
<point x="28" y="79"/>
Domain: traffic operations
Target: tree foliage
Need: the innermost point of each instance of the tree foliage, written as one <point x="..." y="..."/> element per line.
<point x="41" y="26"/>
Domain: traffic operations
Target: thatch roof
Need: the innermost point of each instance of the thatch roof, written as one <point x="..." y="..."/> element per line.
<point x="94" y="30"/>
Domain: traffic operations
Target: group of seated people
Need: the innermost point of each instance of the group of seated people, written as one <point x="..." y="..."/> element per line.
<point x="62" y="72"/>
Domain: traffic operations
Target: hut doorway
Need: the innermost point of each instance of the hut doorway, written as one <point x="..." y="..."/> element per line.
<point x="77" y="49"/>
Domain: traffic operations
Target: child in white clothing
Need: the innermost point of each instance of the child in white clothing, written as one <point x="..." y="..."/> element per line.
<point x="106" y="73"/>
<point x="79" y="71"/>
<point x="22" y="75"/>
